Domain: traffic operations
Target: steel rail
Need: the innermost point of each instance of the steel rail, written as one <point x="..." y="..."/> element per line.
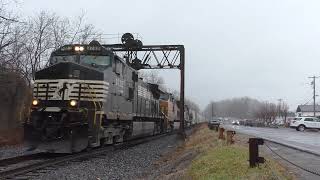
<point x="51" y="162"/>
<point x="27" y="157"/>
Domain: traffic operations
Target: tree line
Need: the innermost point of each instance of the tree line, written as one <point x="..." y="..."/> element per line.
<point x="248" y="108"/>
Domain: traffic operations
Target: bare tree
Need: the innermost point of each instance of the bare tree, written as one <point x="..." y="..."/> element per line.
<point x="82" y="32"/>
<point x="25" y="47"/>
<point x="40" y="40"/>
<point x="61" y="32"/>
<point x="152" y="77"/>
<point x="284" y="112"/>
<point x="32" y="42"/>
<point x="8" y="23"/>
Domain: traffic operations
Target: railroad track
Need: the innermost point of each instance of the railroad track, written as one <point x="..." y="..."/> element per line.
<point x="46" y="162"/>
<point x="19" y="159"/>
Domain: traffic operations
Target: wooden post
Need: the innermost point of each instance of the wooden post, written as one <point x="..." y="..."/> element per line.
<point x="254" y="158"/>
<point x="221" y="135"/>
<point x="230" y="135"/>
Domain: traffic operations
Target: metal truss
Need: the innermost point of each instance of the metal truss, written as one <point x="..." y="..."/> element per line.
<point x="151" y="56"/>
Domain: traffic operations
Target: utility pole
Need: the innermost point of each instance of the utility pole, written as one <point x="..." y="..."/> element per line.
<point x="212" y="112"/>
<point x="279" y="107"/>
<point x="314" y="94"/>
<point x="182" y="84"/>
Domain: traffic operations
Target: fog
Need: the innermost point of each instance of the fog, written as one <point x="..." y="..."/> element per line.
<point x="262" y="49"/>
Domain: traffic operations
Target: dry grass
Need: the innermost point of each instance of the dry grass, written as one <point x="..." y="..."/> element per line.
<point x="217" y="160"/>
<point x="203" y="156"/>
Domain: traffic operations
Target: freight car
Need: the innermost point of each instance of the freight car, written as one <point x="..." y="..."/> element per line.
<point x="89" y="97"/>
<point x="196" y="117"/>
<point x="169" y="108"/>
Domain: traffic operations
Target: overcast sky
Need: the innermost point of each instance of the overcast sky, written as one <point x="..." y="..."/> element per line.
<point x="261" y="49"/>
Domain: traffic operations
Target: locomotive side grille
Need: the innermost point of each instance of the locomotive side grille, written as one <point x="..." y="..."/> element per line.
<point x="143" y="92"/>
<point x="67" y="89"/>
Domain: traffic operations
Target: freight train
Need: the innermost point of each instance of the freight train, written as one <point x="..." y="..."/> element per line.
<point x="89" y="97"/>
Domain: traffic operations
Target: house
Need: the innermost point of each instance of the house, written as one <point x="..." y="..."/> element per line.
<point x="307" y="110"/>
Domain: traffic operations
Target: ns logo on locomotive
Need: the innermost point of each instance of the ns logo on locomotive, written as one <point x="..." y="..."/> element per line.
<point x="89" y="97"/>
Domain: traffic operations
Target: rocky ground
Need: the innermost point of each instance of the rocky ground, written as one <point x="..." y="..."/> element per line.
<point x="173" y="164"/>
<point x="128" y="163"/>
<point x="164" y="158"/>
<point x="15" y="150"/>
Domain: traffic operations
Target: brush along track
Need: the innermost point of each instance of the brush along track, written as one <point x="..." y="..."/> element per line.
<point x="51" y="162"/>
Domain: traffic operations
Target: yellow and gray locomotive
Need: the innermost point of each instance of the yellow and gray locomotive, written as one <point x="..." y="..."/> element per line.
<point x="89" y="97"/>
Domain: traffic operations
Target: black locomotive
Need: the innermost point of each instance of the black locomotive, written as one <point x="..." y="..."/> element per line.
<point x="89" y="97"/>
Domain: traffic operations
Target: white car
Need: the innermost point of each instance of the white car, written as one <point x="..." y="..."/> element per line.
<point x="302" y="123"/>
<point x="235" y="122"/>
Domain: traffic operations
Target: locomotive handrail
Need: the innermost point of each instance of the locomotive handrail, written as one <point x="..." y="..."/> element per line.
<point x="95" y="106"/>
<point x="95" y="109"/>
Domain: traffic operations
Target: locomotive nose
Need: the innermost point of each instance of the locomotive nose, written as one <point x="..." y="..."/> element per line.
<point x="69" y="70"/>
<point x="52" y="132"/>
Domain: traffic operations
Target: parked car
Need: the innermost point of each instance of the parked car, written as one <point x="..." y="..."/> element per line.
<point x="302" y="123"/>
<point x="235" y="122"/>
<point x="214" y="123"/>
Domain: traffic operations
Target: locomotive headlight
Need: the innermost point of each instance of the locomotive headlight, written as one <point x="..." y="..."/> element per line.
<point x="78" y="48"/>
<point x="35" y="102"/>
<point x="73" y="103"/>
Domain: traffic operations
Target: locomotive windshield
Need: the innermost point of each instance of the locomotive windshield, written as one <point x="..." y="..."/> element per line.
<point x="57" y="59"/>
<point x="100" y="62"/>
<point x="96" y="60"/>
<point x="88" y="55"/>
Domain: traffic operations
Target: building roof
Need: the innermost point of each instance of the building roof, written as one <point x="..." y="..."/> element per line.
<point x="307" y="108"/>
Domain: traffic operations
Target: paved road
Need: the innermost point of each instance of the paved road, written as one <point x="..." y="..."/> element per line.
<point x="308" y="140"/>
<point x="307" y="161"/>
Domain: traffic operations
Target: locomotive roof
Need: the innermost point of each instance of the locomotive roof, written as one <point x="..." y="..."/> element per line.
<point x="93" y="48"/>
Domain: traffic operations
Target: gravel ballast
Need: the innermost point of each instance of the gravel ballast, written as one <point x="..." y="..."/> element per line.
<point x="128" y="163"/>
<point x="13" y="151"/>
